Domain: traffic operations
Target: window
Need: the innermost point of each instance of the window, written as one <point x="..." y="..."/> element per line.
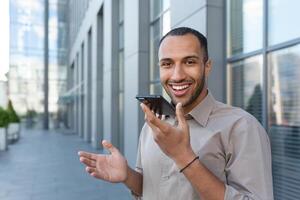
<point x="245" y="25"/>
<point x="285" y="121"/>
<point x="160" y="25"/>
<point x="246" y="85"/>
<point x="283" y="21"/>
<point x="253" y="64"/>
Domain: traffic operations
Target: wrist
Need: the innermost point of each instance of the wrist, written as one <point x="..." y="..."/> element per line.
<point x="126" y="178"/>
<point x="184" y="158"/>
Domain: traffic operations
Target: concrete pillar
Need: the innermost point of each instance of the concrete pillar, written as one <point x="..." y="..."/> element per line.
<point x="87" y="87"/>
<point x="97" y="81"/>
<point x="136" y="77"/>
<point x="110" y="69"/>
<point x="75" y="96"/>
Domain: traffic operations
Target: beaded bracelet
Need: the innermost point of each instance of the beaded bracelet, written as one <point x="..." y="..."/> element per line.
<point x="189" y="164"/>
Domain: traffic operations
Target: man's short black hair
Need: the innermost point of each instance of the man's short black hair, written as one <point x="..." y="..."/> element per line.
<point x="180" y="31"/>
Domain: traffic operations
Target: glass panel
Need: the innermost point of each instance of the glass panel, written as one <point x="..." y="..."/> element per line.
<point x="285" y="121"/>
<point x="166" y="23"/>
<point x="246" y="85"/>
<point x="155" y="37"/>
<point x="121" y="71"/>
<point x="121" y="36"/>
<point x="121" y="11"/>
<point x="283" y="19"/>
<point x="245" y="26"/>
<point x="166" y="4"/>
<point x="155" y="9"/>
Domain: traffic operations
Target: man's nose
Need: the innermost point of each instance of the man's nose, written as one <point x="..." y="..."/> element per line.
<point x="178" y="73"/>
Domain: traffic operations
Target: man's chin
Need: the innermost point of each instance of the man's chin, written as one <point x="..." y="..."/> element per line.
<point x="176" y="100"/>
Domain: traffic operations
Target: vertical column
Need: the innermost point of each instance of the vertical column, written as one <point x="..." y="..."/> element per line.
<point x="97" y="81"/>
<point x="87" y="87"/>
<point x="75" y="84"/>
<point x="80" y="91"/>
<point x="46" y="69"/>
<point x="110" y="64"/>
<point x="216" y="48"/>
<point x="136" y="71"/>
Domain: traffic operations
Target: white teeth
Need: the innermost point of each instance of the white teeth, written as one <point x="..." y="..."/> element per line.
<point x="180" y="87"/>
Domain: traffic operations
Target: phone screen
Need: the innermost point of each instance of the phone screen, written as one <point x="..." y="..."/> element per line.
<point x="158" y="104"/>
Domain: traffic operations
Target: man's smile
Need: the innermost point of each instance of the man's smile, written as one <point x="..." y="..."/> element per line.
<point x="180" y="89"/>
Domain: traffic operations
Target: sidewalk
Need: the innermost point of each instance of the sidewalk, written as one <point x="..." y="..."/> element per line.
<point x="45" y="166"/>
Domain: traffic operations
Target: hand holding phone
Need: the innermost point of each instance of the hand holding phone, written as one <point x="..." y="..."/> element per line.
<point x="158" y="104"/>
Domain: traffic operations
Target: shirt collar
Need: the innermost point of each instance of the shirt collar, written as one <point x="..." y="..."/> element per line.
<point x="202" y="111"/>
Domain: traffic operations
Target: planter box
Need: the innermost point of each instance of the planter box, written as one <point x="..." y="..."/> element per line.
<point x="13" y="132"/>
<point x="3" y="139"/>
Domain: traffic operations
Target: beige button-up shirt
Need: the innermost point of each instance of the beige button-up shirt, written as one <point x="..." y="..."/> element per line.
<point x="230" y="143"/>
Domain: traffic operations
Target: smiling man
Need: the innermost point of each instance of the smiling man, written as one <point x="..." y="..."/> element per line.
<point x="208" y="151"/>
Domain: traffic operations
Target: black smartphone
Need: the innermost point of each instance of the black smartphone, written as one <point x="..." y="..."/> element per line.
<point x="158" y="104"/>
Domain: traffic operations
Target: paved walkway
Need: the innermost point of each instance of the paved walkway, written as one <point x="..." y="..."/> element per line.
<point x="45" y="166"/>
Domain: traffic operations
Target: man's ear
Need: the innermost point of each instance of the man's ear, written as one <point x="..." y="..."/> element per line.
<point x="208" y="66"/>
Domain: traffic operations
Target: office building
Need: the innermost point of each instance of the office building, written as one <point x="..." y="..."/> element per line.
<point x="254" y="45"/>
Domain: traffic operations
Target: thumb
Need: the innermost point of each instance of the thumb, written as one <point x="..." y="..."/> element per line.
<point x="107" y="145"/>
<point x="180" y="116"/>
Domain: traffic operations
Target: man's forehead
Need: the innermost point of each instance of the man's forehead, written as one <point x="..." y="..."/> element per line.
<point x="186" y="45"/>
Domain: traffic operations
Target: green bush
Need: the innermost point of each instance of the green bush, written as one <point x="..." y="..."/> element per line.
<point x="4" y="117"/>
<point x="13" y="117"/>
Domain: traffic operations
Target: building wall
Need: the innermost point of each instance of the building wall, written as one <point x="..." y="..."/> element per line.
<point x="98" y="117"/>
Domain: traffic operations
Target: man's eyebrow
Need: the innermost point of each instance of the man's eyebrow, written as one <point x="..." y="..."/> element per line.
<point x="188" y="57"/>
<point x="165" y="59"/>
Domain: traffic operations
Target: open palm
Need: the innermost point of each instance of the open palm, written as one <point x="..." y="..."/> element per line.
<point x="112" y="167"/>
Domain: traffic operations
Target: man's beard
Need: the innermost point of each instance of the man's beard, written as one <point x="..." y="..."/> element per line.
<point x="194" y="96"/>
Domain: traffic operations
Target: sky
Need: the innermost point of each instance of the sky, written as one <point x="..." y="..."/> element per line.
<point x="4" y="38"/>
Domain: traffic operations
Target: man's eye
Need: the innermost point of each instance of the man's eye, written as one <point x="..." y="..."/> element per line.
<point x="190" y="62"/>
<point x="166" y="64"/>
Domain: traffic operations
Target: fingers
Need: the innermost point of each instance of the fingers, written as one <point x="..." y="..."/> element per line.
<point x="88" y="155"/>
<point x="180" y="116"/>
<point x="88" y="162"/>
<point x="152" y="120"/>
<point x="107" y="145"/>
<point x="96" y="173"/>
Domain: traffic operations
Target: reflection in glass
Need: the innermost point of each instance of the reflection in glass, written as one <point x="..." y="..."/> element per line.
<point x="246" y="85"/>
<point x="285" y="121"/>
<point x="26" y="76"/>
<point x="245" y="25"/>
<point x="283" y="20"/>
<point x="27" y="55"/>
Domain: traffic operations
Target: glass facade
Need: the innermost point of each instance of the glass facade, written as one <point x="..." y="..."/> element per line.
<point x="264" y="78"/>
<point x="160" y="25"/>
<point x="246" y="85"/>
<point x="26" y="75"/>
<point x="285" y="120"/>
<point x="245" y="26"/>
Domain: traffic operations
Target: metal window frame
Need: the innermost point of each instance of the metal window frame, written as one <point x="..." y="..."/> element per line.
<point x="264" y="51"/>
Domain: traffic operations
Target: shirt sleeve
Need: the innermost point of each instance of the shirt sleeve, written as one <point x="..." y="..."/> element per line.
<point x="138" y="167"/>
<point x="248" y="167"/>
